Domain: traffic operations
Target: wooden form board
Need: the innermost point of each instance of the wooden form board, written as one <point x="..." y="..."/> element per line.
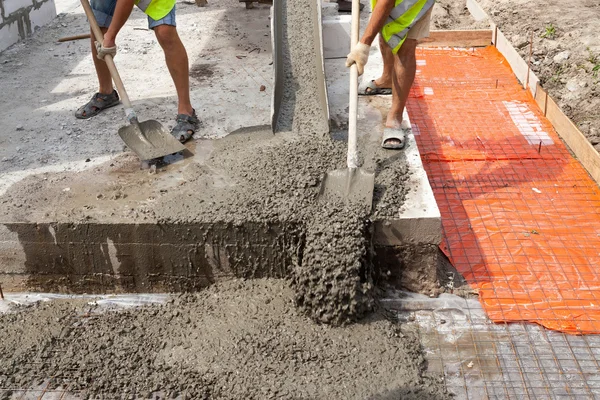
<point x="467" y="38"/>
<point x="519" y="66"/>
<point x="568" y="131"/>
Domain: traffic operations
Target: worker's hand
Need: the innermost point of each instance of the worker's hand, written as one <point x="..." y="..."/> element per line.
<point x="103" y="51"/>
<point x="359" y="56"/>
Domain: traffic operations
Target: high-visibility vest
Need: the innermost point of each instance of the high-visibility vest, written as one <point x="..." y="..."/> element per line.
<point x="404" y="15"/>
<point x="156" y="9"/>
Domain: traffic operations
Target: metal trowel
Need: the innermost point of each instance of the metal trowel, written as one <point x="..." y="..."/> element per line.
<point x="352" y="184"/>
<point x="147" y="139"/>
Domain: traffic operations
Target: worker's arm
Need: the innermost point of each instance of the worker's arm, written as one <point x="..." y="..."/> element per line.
<point x="122" y="12"/>
<point x="382" y="11"/>
<point x="359" y="54"/>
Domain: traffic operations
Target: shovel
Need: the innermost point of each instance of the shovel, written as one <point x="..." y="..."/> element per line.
<point x="148" y="139"/>
<point x="353" y="184"/>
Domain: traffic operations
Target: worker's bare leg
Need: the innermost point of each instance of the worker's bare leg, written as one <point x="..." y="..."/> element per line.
<point x="104" y="79"/>
<point x="177" y="62"/>
<point x="405" y="67"/>
<point x="385" y="80"/>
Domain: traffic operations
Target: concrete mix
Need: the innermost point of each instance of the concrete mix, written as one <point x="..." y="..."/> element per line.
<point x="237" y="340"/>
<point x="246" y="177"/>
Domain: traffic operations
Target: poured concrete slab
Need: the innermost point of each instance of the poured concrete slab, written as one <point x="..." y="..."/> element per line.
<point x="89" y="230"/>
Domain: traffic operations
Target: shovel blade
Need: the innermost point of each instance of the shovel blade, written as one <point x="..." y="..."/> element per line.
<point x="149" y="139"/>
<point x="353" y="185"/>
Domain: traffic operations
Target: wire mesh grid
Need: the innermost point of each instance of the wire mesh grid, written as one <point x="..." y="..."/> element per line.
<point x="519" y="213"/>
<point x="484" y="360"/>
<point x="45" y="387"/>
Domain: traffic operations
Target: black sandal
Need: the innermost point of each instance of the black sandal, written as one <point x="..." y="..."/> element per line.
<point x="186" y="126"/>
<point x="98" y="103"/>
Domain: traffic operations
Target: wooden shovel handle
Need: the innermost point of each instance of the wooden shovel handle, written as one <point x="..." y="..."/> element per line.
<point x="129" y="113"/>
<point x="352" y="158"/>
<point x="76" y="37"/>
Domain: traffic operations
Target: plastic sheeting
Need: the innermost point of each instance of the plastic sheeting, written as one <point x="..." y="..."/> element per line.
<point x="483" y="360"/>
<point x="521" y="216"/>
<point x="102" y="301"/>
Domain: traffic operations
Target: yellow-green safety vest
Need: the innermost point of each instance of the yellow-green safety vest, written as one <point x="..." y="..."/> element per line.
<point x="404" y="15"/>
<point x="156" y="9"/>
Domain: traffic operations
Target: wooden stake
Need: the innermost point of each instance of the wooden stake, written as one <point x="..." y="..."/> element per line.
<point x="1" y="294"/>
<point x="529" y="61"/>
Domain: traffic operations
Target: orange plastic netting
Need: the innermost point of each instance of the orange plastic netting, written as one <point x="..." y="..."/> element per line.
<point x="521" y="216"/>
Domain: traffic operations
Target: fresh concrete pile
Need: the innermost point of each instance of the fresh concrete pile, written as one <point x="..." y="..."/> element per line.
<point x="232" y="341"/>
<point x="280" y="182"/>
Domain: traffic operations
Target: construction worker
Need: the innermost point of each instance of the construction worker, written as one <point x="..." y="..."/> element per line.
<point x="400" y="24"/>
<point x="111" y="16"/>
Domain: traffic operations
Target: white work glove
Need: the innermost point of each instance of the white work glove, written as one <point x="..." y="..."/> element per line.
<point x="103" y="51"/>
<point x="359" y="56"/>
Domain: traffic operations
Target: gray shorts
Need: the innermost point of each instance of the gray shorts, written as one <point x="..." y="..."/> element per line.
<point x="420" y="30"/>
<point x="104" y="10"/>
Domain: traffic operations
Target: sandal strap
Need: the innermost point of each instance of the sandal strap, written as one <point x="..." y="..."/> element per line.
<point x="97" y="103"/>
<point x="100" y="100"/>
<point x="192" y="119"/>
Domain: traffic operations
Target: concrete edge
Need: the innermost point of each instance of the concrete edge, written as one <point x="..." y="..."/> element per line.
<point x="419" y="219"/>
<point x="277" y="50"/>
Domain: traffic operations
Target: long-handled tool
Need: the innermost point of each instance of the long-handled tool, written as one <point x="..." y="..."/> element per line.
<point x="353" y="183"/>
<point x="76" y="37"/>
<point x="148" y="139"/>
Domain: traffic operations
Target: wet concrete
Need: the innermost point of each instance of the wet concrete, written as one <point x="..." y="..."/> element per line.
<point x="235" y="340"/>
<point x="243" y="206"/>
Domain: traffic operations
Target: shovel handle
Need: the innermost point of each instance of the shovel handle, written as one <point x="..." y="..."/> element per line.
<point x="353" y="106"/>
<point x="129" y="112"/>
<point x="76" y="37"/>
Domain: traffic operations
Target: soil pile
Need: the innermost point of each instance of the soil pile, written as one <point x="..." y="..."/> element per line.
<point x="452" y="14"/>
<point x="234" y="340"/>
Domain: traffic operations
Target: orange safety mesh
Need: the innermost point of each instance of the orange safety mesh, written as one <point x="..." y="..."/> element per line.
<point x="521" y="216"/>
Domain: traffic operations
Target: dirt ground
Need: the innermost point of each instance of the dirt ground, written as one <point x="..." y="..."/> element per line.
<point x="234" y="340"/>
<point x="566" y="49"/>
<point x="453" y="14"/>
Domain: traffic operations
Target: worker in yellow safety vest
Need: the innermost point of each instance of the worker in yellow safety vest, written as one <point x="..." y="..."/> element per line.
<point x="111" y="16"/>
<point x="400" y="24"/>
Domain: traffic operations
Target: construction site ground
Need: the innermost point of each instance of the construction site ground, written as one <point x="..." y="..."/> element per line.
<point x="245" y="338"/>
<point x="565" y="54"/>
